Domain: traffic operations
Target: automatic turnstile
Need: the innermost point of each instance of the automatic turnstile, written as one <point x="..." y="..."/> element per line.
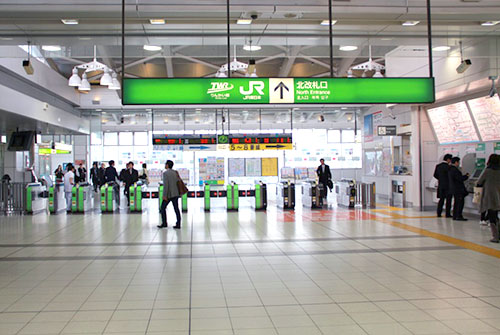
<point x="260" y="196"/>
<point x="57" y="201"/>
<point x="312" y="195"/>
<point x="135" y="197"/>
<point x="233" y="197"/>
<point x="285" y="197"/>
<point x="109" y="196"/>
<point x="346" y="193"/>
<point x="36" y="198"/>
<point x="82" y="199"/>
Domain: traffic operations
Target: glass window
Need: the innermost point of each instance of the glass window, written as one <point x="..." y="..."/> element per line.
<point x="126" y="138"/>
<point x="333" y="136"/>
<point x="348" y="136"/>
<point x="141" y="138"/>
<point x="110" y="138"/>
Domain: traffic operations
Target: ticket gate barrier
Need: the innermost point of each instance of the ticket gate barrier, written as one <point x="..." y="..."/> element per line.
<point x="185" y="202"/>
<point x="285" y="197"/>
<point x="260" y="194"/>
<point x="135" y="198"/>
<point x="57" y="201"/>
<point x="36" y="198"/>
<point x="108" y="198"/>
<point x="312" y="195"/>
<point x="233" y="197"/>
<point x="346" y="193"/>
<point x="81" y="198"/>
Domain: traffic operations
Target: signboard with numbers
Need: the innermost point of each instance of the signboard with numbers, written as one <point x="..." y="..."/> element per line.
<point x="158" y="91"/>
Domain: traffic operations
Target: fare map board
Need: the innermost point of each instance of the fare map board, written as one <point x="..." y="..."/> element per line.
<point x="453" y="124"/>
<point x="486" y="112"/>
<point x="171" y="91"/>
<point x="269" y="167"/>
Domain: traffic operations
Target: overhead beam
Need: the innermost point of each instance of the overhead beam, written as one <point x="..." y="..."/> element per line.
<point x="316" y="61"/>
<point x="167" y="53"/>
<point x="346" y="63"/>
<point x="196" y="60"/>
<point x="286" y="67"/>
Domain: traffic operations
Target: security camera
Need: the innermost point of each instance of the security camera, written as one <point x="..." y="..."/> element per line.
<point x="464" y="65"/>
<point x="28" y="67"/>
<point x="254" y="16"/>
<point x="122" y="119"/>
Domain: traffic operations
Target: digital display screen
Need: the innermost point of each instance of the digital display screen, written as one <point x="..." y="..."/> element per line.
<point x="486" y="113"/>
<point x="261" y="139"/>
<point x="453" y="124"/>
<point x="183" y="140"/>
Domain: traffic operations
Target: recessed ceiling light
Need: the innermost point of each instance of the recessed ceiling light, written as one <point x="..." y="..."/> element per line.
<point x="51" y="47"/>
<point x="6" y="38"/>
<point x="152" y="47"/>
<point x="69" y="21"/>
<point x="386" y="39"/>
<point x="410" y="23"/>
<point x="85" y="38"/>
<point x="348" y="48"/>
<point x="327" y="22"/>
<point x="252" y="47"/>
<point x="442" y="48"/>
<point x="244" y="21"/>
<point x="490" y="23"/>
<point x="157" y="21"/>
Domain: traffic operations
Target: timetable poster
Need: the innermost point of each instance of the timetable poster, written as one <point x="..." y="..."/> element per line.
<point x="211" y="169"/>
<point x="236" y="167"/>
<point x="453" y="124"/>
<point x="486" y="112"/>
<point x="270" y="167"/>
<point x="253" y="167"/>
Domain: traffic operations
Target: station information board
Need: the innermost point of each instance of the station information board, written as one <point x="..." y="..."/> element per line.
<point x="261" y="139"/>
<point x="171" y="91"/>
<point x="184" y="140"/>
<point x="486" y="113"/>
<point x="453" y="124"/>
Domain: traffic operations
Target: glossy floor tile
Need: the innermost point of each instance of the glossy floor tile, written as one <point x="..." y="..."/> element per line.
<point x="332" y="271"/>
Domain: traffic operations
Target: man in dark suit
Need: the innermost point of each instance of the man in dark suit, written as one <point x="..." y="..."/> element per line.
<point x="130" y="176"/>
<point x="111" y="176"/>
<point x="324" y="175"/>
<point x="457" y="188"/>
<point x="441" y="174"/>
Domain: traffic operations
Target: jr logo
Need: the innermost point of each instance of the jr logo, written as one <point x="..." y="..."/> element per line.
<point x="218" y="87"/>
<point x="254" y="85"/>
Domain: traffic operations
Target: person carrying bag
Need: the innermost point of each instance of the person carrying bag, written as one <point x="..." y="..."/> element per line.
<point x="173" y="187"/>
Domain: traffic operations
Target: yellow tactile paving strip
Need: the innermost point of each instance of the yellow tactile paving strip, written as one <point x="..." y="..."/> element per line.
<point x="445" y="238"/>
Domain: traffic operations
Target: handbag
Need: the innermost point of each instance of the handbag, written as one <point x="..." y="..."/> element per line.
<point x="181" y="186"/>
<point x="478" y="194"/>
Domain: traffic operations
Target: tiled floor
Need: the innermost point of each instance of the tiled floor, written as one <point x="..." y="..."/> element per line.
<point x="325" y="272"/>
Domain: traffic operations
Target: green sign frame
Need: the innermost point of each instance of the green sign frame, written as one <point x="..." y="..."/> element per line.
<point x="222" y="91"/>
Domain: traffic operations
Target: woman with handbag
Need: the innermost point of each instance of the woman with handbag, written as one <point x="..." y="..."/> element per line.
<point x="490" y="200"/>
<point x="172" y="190"/>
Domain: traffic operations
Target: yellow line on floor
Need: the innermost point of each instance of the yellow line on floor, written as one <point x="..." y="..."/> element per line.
<point x="391" y="208"/>
<point x="400" y="216"/>
<point x="445" y="238"/>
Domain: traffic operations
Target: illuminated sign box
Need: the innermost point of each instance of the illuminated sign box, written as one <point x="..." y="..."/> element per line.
<point x="213" y="91"/>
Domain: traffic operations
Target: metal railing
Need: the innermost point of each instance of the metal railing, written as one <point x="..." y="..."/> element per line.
<point x="12" y="198"/>
<point x="365" y="195"/>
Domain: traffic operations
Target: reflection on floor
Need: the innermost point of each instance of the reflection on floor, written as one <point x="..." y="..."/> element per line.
<point x="306" y="272"/>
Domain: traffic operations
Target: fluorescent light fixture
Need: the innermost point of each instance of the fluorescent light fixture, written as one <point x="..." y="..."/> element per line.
<point x="252" y="47"/>
<point x="51" y="48"/>
<point x="75" y="80"/>
<point x="327" y="22"/>
<point x="410" y="23"/>
<point x="244" y="21"/>
<point x="157" y="21"/>
<point x="152" y="47"/>
<point x="348" y="48"/>
<point x="85" y="85"/>
<point x="69" y="21"/>
<point x="106" y="79"/>
<point x="490" y="23"/>
<point x="85" y="38"/>
<point x="442" y="48"/>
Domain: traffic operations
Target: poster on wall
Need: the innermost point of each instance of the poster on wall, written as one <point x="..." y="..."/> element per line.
<point x="486" y="113"/>
<point x="236" y="167"/>
<point x="211" y="170"/>
<point x="368" y="128"/>
<point x="270" y="167"/>
<point x="253" y="167"/>
<point x="453" y="124"/>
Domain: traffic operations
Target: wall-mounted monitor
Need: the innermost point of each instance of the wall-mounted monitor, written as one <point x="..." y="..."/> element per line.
<point x="453" y="124"/>
<point x="21" y="140"/>
<point x="486" y="113"/>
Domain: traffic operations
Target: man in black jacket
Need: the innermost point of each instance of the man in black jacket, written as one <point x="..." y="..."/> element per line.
<point x="130" y="176"/>
<point x="457" y="188"/>
<point x="324" y="175"/>
<point x="443" y="193"/>
<point x="111" y="176"/>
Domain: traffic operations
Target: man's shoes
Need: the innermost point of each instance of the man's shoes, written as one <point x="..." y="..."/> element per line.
<point x="177" y="227"/>
<point x="449" y="216"/>
<point x="439" y="215"/>
<point x="494" y="241"/>
<point x="162" y="226"/>
<point x="483" y="223"/>
<point x="460" y="219"/>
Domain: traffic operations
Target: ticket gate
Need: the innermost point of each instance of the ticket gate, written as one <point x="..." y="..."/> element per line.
<point x="57" y="200"/>
<point x="346" y="193"/>
<point x="109" y="195"/>
<point x="260" y="196"/>
<point x="312" y="195"/>
<point x="36" y="198"/>
<point x="233" y="197"/>
<point x="82" y="199"/>
<point x="285" y="197"/>
<point x="135" y="197"/>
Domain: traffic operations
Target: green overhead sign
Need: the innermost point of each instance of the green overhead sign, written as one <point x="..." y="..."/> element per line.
<point x="277" y="91"/>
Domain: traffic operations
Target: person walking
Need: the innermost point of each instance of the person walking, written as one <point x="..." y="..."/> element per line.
<point x="69" y="182"/>
<point x="130" y="176"/>
<point x="457" y="188"/>
<point x="170" y="194"/>
<point x="94" y="176"/>
<point x="144" y="175"/>
<point x="82" y="173"/>
<point x="490" y="199"/>
<point x="101" y="175"/>
<point x="324" y="175"/>
<point x="443" y="193"/>
<point x="111" y="176"/>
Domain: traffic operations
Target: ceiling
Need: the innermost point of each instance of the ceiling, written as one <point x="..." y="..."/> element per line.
<point x="10" y="122"/>
<point x="193" y="41"/>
